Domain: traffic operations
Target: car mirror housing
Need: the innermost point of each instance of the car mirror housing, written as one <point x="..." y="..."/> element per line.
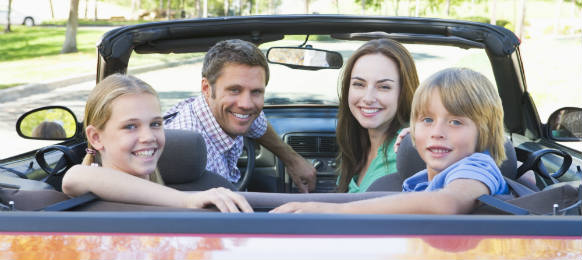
<point x="47" y="123"/>
<point x="305" y="58"/>
<point x="565" y="124"/>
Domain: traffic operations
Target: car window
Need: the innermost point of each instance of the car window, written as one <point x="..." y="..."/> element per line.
<point x="288" y="86"/>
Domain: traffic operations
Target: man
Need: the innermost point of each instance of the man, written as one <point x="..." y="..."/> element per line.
<point x="234" y="76"/>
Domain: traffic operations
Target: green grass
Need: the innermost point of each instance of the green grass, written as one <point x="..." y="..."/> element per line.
<point x="32" y="54"/>
<point x="34" y="42"/>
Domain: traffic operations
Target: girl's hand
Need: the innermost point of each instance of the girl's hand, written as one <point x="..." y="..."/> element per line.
<point x="399" y="138"/>
<point x="224" y="199"/>
<point x="307" y="207"/>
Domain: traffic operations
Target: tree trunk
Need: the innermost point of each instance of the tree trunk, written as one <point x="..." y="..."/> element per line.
<point x="95" y="11"/>
<point x="521" y="21"/>
<point x="307" y="6"/>
<point x="70" y="44"/>
<point x="396" y="7"/>
<point x="8" y="14"/>
<point x="337" y="6"/>
<point x="205" y="14"/>
<point x="87" y="8"/>
<point x="448" y="8"/>
<point x="226" y="7"/>
<point x="52" y="9"/>
<point x="417" y="8"/>
<point x="169" y="10"/>
<point x="363" y="6"/>
<point x="492" y="12"/>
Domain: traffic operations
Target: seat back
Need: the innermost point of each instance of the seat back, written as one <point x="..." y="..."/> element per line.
<point x="408" y="162"/>
<point x="183" y="162"/>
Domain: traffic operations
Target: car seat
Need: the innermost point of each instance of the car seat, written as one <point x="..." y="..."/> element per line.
<point x="408" y="162"/>
<point x="183" y="163"/>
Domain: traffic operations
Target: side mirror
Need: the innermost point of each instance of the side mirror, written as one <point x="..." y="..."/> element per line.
<point x="565" y="124"/>
<point x="47" y="123"/>
<point x="305" y="58"/>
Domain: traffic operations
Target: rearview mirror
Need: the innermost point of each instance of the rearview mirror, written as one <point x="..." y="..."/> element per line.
<point x="47" y="123"/>
<point x="565" y="124"/>
<point x="305" y="58"/>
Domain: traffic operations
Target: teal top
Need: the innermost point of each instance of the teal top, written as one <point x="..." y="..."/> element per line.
<point x="382" y="165"/>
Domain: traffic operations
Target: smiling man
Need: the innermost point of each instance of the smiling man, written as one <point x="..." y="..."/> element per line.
<point x="234" y="76"/>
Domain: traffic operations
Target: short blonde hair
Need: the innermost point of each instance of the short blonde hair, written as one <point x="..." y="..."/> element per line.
<point x="465" y="92"/>
<point x="98" y="108"/>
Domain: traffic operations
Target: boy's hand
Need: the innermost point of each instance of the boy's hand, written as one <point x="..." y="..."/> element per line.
<point x="399" y="138"/>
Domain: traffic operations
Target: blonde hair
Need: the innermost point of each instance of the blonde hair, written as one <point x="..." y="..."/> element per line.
<point x="98" y="108"/>
<point x="465" y="92"/>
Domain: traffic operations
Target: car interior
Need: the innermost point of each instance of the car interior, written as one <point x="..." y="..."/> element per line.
<point x="548" y="174"/>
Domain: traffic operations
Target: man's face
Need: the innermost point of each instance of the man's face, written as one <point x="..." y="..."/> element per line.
<point x="238" y="98"/>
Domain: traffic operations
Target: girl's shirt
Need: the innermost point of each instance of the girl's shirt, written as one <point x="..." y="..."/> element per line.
<point x="478" y="166"/>
<point x="382" y="165"/>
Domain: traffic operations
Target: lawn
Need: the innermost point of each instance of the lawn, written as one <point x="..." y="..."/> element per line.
<point x="32" y="55"/>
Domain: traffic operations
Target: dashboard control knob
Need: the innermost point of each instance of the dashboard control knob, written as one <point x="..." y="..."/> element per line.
<point x="317" y="164"/>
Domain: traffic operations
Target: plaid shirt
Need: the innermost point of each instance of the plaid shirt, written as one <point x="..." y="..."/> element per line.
<point x="222" y="150"/>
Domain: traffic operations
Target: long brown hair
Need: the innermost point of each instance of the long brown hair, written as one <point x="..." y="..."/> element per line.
<point x="353" y="140"/>
<point x="98" y="108"/>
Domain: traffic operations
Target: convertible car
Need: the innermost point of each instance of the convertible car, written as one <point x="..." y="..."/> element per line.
<point x="540" y="220"/>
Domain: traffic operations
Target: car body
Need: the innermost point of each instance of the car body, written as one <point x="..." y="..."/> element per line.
<point x="20" y="18"/>
<point x="303" y="112"/>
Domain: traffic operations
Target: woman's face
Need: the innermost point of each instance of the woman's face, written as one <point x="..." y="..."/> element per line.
<point x="133" y="138"/>
<point x="373" y="91"/>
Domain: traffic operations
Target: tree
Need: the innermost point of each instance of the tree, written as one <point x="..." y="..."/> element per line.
<point x="70" y="44"/>
<point x="7" y="29"/>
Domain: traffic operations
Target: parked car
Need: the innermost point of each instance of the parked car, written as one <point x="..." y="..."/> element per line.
<point x="301" y="104"/>
<point x="19" y="18"/>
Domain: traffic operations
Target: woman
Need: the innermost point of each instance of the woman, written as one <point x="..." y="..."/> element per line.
<point x="377" y="86"/>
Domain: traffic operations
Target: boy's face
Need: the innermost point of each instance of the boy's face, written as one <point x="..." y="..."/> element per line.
<point x="238" y="98"/>
<point x="441" y="138"/>
<point x="133" y="138"/>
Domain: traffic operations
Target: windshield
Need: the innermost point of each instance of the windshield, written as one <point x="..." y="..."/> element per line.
<point x="290" y="86"/>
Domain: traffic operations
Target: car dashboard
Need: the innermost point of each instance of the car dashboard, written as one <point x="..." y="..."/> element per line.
<point x="310" y="131"/>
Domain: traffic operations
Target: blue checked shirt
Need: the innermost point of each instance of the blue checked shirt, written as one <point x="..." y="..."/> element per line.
<point x="222" y="150"/>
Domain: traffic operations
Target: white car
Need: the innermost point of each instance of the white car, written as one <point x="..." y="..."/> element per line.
<point x="19" y="18"/>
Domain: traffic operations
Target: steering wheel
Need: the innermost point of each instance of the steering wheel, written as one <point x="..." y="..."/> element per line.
<point x="534" y="162"/>
<point x="249" y="146"/>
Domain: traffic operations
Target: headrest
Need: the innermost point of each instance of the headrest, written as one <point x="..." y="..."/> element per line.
<point x="408" y="162"/>
<point x="184" y="157"/>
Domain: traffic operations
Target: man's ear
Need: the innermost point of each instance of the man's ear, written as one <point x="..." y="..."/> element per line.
<point x="206" y="89"/>
<point x="94" y="137"/>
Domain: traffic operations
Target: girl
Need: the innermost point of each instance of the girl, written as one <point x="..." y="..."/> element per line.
<point x="457" y="128"/>
<point x="125" y="138"/>
<point x="376" y="91"/>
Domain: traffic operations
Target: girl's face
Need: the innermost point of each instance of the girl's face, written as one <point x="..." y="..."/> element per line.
<point x="374" y="90"/>
<point x="133" y="138"/>
<point x="441" y="138"/>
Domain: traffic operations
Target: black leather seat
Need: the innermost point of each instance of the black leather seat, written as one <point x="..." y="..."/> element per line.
<point x="183" y="162"/>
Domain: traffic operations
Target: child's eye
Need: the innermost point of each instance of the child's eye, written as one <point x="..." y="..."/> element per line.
<point x="427" y="120"/>
<point x="456" y="122"/>
<point x="130" y="126"/>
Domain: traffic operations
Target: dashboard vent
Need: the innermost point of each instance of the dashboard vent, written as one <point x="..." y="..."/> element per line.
<point x="313" y="144"/>
<point x="303" y="144"/>
<point x="327" y="144"/>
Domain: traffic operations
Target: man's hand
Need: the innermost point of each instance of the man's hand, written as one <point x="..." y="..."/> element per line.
<point x="302" y="173"/>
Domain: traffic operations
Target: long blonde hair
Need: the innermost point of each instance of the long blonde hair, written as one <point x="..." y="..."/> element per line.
<point x="465" y="92"/>
<point x="98" y="108"/>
